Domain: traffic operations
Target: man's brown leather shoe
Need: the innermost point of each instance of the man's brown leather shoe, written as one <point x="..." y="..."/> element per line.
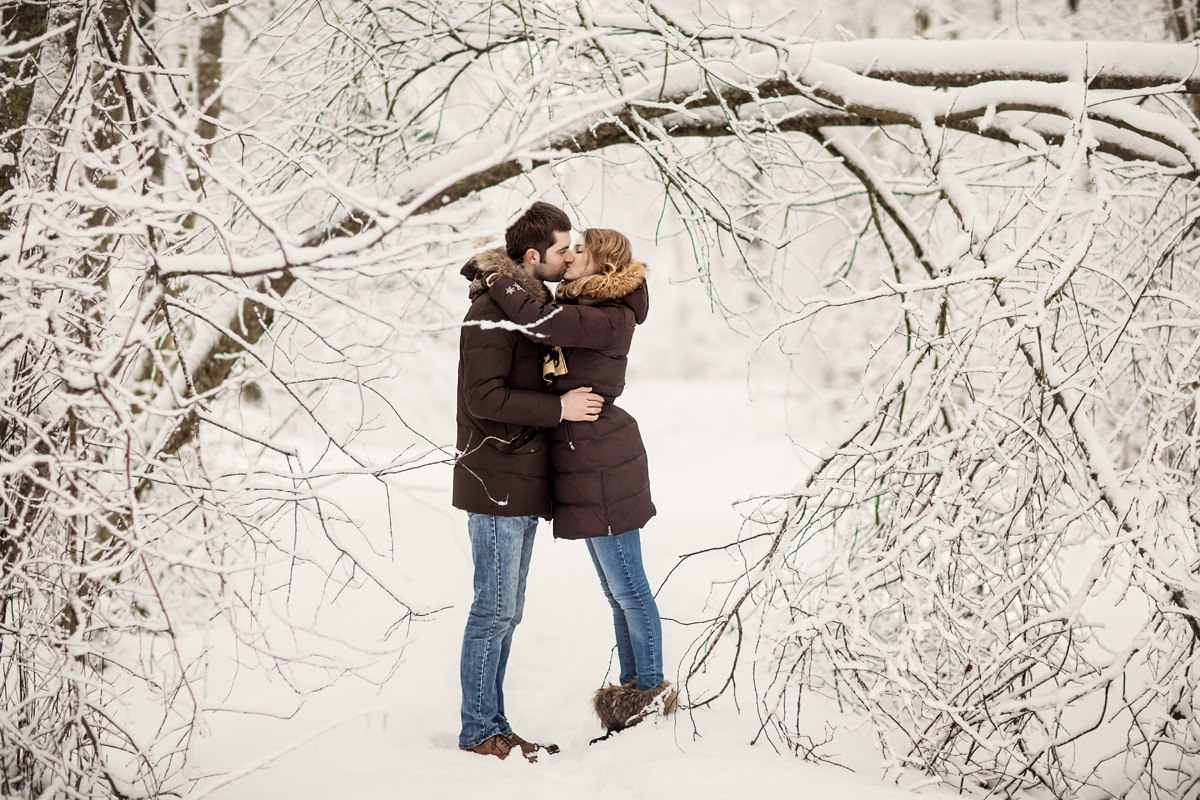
<point x="529" y="748"/>
<point x="499" y="746"/>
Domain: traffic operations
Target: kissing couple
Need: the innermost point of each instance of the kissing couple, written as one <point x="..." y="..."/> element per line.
<point x="540" y="436"/>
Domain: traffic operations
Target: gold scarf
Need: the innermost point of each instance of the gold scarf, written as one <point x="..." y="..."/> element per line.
<point x="554" y="363"/>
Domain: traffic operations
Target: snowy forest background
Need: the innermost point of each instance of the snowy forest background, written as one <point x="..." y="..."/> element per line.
<point x="951" y="243"/>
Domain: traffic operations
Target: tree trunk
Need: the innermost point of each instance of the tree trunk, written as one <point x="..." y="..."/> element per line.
<point x="24" y="23"/>
<point x="208" y="91"/>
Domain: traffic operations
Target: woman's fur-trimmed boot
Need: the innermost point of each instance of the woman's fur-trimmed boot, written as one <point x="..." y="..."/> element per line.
<point x="621" y="707"/>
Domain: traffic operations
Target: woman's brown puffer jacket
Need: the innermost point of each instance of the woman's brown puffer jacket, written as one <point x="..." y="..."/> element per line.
<point x="601" y="482"/>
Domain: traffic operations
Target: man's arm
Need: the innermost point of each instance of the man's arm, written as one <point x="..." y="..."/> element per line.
<point x="567" y="325"/>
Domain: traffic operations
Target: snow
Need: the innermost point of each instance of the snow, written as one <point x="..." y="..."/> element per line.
<point x="358" y="741"/>
<point x="1040" y="60"/>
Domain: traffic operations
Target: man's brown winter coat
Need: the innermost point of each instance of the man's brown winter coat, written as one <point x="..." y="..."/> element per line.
<point x="504" y="408"/>
<point x="601" y="480"/>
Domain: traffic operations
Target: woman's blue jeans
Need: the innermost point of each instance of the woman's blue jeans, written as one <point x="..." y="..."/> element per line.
<point x="501" y="548"/>
<point x="618" y="561"/>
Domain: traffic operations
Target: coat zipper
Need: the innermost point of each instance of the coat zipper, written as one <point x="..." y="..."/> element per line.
<point x="603" y="483"/>
<point x="604" y="498"/>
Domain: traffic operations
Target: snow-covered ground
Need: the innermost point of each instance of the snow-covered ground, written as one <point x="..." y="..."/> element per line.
<point x="710" y="444"/>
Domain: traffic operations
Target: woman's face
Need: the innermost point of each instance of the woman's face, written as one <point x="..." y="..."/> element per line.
<point x="583" y="265"/>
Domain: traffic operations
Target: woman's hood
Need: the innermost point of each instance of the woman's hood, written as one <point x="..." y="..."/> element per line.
<point x="626" y="285"/>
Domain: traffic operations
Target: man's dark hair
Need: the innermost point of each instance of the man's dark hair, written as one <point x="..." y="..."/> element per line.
<point x="535" y="228"/>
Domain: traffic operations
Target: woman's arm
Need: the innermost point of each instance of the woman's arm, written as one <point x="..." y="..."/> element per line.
<point x="557" y="325"/>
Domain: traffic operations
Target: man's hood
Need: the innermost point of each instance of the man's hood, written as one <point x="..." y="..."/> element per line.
<point x="497" y="262"/>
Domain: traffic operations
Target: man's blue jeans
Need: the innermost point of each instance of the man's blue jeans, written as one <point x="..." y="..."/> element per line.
<point x="501" y="548"/>
<point x="618" y="561"/>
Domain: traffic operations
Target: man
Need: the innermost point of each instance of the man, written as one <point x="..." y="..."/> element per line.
<point x="502" y="474"/>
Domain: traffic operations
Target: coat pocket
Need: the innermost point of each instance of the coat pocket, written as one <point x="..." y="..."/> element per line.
<point x="511" y="439"/>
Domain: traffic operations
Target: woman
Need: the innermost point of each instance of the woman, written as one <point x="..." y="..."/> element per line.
<point x="601" y="481"/>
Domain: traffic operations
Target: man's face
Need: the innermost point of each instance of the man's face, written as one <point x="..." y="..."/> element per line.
<point x="558" y="258"/>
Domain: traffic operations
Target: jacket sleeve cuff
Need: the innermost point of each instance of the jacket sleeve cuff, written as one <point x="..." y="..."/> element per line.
<point x="554" y="410"/>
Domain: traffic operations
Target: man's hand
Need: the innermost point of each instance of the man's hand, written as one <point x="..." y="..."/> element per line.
<point x="581" y="405"/>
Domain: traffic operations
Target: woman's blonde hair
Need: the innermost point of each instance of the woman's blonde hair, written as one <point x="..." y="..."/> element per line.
<point x="611" y="250"/>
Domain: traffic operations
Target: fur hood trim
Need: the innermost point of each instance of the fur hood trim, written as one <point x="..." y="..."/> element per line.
<point x="496" y="261"/>
<point x="603" y="287"/>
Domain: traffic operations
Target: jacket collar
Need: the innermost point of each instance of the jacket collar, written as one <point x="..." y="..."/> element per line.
<point x="496" y="261"/>
<point x="610" y="286"/>
<point x="626" y="285"/>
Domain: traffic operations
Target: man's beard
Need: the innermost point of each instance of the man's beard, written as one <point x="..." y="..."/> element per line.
<point x="544" y="272"/>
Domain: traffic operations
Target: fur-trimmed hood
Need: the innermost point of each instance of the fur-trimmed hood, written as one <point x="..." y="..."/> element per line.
<point x="496" y="261"/>
<point x="626" y="284"/>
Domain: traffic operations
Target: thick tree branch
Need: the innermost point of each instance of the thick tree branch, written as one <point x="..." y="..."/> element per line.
<point x="895" y="93"/>
<point x="1105" y="65"/>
